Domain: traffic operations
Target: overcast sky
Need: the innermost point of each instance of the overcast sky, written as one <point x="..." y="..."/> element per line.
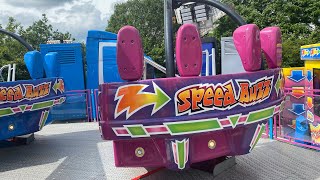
<point x="75" y="16"/>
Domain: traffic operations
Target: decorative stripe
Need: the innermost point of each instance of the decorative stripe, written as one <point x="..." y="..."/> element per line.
<point x="6" y="112"/>
<point x="43" y="119"/>
<point x="259" y="130"/>
<point x="190" y="127"/>
<point x="156" y="129"/>
<point x="225" y="122"/>
<point x="242" y="119"/>
<point x="16" y="109"/>
<point x="180" y="150"/>
<point x="260" y="114"/>
<point x="42" y="105"/>
<point x="28" y="108"/>
<point x="194" y="126"/>
<point x="33" y="107"/>
<point x="137" y="130"/>
<point x="122" y="131"/>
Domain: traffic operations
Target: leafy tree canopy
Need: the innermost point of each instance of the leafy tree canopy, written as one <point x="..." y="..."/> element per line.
<point x="11" y="51"/>
<point x="299" y="21"/>
<point x="147" y="17"/>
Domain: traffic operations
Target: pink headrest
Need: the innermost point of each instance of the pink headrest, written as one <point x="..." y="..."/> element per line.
<point x="129" y="53"/>
<point x="247" y="41"/>
<point x="271" y="45"/>
<point x="188" y="50"/>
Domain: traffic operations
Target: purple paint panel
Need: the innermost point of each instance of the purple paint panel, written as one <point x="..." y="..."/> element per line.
<point x="176" y="99"/>
<point x="175" y="122"/>
<point x="160" y="152"/>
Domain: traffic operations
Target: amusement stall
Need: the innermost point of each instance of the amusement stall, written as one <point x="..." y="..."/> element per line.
<point x="299" y="121"/>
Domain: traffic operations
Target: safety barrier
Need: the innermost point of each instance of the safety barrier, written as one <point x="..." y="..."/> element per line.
<point x="79" y="105"/>
<point x="299" y="121"/>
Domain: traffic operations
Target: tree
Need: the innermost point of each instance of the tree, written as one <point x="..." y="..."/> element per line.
<point x="41" y="31"/>
<point x="147" y="17"/>
<point x="299" y="21"/>
<point x="11" y="51"/>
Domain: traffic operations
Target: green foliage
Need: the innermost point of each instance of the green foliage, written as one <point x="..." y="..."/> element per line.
<point x="11" y="51"/>
<point x="147" y="17"/>
<point x="299" y="21"/>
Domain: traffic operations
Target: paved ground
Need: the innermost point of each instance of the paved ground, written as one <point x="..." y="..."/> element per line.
<point x="75" y="151"/>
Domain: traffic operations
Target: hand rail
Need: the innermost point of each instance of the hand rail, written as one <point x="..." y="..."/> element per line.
<point x="155" y="65"/>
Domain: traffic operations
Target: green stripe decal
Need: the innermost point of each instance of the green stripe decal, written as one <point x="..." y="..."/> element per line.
<point x="193" y="127"/>
<point x="259" y="135"/>
<point x="61" y="100"/>
<point x="23" y="107"/>
<point x="6" y="111"/>
<point x="44" y="118"/>
<point x="259" y="115"/>
<point x="137" y="130"/>
<point x="42" y="105"/>
<point x="234" y="120"/>
<point x="181" y="150"/>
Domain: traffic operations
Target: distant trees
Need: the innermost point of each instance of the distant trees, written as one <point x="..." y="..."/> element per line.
<point x="299" y="21"/>
<point x="147" y="17"/>
<point x="11" y="51"/>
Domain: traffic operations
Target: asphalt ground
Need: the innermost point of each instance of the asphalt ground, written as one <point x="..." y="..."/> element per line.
<point x="76" y="151"/>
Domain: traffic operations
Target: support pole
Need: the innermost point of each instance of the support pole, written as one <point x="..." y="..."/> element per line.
<point x="168" y="39"/>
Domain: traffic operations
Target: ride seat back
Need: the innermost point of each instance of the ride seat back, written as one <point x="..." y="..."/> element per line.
<point x="271" y="45"/>
<point x="188" y="51"/>
<point x="247" y="42"/>
<point x="129" y="54"/>
<point x="34" y="64"/>
<point x="51" y="64"/>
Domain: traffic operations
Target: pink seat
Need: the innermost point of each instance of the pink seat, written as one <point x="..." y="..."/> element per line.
<point x="271" y="45"/>
<point x="188" y="51"/>
<point x="247" y="42"/>
<point x="129" y="54"/>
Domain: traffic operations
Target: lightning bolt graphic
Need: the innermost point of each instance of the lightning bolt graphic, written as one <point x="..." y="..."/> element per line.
<point x="131" y="99"/>
<point x="58" y="85"/>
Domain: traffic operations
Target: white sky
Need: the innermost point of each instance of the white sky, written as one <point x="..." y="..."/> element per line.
<point x="75" y="16"/>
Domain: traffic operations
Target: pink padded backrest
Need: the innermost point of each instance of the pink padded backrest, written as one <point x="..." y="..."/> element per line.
<point x="188" y="51"/>
<point x="129" y="54"/>
<point x="271" y="45"/>
<point x="247" y="41"/>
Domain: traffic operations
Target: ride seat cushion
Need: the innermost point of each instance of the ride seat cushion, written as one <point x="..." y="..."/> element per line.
<point x="271" y="45"/>
<point x="34" y="64"/>
<point x="129" y="53"/>
<point x="188" y="51"/>
<point x="247" y="42"/>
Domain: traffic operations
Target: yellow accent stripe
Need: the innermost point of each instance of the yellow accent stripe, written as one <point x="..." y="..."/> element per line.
<point x="311" y="45"/>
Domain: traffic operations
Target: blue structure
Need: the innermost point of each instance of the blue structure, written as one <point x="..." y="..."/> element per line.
<point x="101" y="58"/>
<point x="67" y="61"/>
<point x="208" y="44"/>
<point x="51" y="65"/>
<point x="34" y="63"/>
<point x="71" y="64"/>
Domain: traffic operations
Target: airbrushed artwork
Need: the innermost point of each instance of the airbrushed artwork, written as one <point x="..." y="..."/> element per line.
<point x="25" y="105"/>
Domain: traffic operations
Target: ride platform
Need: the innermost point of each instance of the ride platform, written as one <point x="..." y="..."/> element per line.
<point x="76" y="151"/>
